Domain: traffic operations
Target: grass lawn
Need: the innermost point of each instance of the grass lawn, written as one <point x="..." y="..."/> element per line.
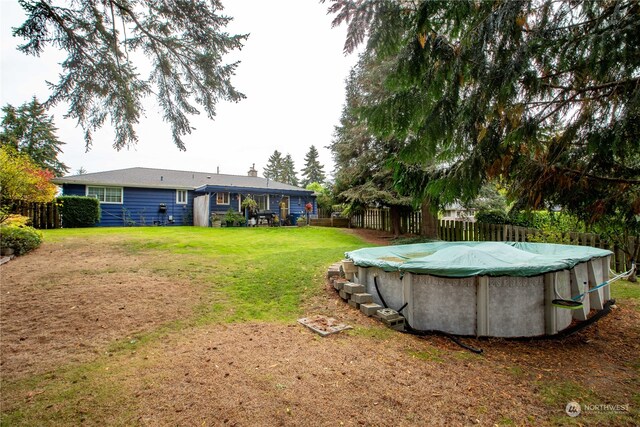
<point x="250" y="273"/>
<point x="196" y="326"/>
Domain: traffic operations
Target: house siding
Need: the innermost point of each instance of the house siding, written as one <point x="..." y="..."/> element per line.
<point x="220" y="208"/>
<point x="296" y="202"/>
<point x="140" y="206"/>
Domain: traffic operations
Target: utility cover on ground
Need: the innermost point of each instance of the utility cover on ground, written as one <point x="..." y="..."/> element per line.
<point x="323" y="325"/>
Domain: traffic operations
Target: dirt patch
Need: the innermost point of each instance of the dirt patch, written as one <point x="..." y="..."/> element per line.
<point x="270" y="374"/>
<point x="267" y="374"/>
<point x="63" y="305"/>
<point x="376" y="237"/>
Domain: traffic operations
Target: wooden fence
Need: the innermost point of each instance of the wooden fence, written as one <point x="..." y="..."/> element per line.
<point x="380" y="219"/>
<point x="455" y="231"/>
<point x="330" y="222"/>
<point x="42" y="215"/>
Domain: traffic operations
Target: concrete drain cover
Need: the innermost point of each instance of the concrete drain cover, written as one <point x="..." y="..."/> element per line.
<point x="323" y="325"/>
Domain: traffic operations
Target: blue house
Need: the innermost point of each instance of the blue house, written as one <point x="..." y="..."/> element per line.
<point x="144" y="196"/>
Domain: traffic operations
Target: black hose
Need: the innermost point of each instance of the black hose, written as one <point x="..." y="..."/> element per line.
<point x="403" y="307"/>
<point x="606" y="309"/>
<point x="455" y="339"/>
<point x="375" y="283"/>
<point x="421" y="332"/>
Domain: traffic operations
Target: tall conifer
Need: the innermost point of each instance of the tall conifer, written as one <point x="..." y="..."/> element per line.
<point x="29" y="130"/>
<point x="313" y="171"/>
<point x="273" y="170"/>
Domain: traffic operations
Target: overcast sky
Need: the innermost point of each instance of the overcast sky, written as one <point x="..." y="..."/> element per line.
<point x="292" y="71"/>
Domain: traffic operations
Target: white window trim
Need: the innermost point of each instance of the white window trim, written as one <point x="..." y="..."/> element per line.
<point x="86" y="189"/>
<point x="267" y="201"/>
<point x="186" y="197"/>
<point x="228" y="198"/>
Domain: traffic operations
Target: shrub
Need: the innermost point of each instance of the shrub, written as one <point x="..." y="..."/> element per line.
<point x="21" y="239"/>
<point x="553" y="222"/>
<point x="492" y="217"/>
<point x="232" y="218"/>
<point x="17" y="220"/>
<point x="550" y="236"/>
<point x="79" y="211"/>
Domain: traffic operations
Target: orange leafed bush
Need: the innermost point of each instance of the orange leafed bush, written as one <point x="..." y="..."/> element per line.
<point x="21" y="179"/>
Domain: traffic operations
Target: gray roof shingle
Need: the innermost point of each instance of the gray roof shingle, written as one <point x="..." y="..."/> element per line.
<point x="165" y="178"/>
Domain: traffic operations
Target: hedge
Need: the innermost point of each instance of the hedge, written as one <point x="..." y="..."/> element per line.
<point x="492" y="217"/>
<point x="79" y="211"/>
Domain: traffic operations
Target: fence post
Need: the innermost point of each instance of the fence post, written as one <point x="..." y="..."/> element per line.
<point x="631" y="244"/>
<point x="43" y="215"/>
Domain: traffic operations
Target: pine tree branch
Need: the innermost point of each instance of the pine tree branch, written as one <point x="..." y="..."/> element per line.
<point x="617" y="180"/>
<point x="594" y="88"/>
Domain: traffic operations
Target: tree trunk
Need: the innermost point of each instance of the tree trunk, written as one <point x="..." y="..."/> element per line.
<point x="395" y="212"/>
<point x="631" y="248"/>
<point x="429" y="228"/>
<point x="634" y="259"/>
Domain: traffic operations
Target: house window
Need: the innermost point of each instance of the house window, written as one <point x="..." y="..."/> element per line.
<point x="181" y="197"/>
<point x="263" y="202"/>
<point x="106" y="194"/>
<point x="222" y="198"/>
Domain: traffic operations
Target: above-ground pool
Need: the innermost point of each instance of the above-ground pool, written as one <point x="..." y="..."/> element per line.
<point x="500" y="289"/>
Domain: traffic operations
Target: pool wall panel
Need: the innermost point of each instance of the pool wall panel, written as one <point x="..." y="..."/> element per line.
<point x="515" y="306"/>
<point x="606" y="291"/>
<point x="444" y="304"/>
<point x="580" y="277"/>
<point x="556" y="285"/>
<point x="596" y="277"/>
<point x="390" y="286"/>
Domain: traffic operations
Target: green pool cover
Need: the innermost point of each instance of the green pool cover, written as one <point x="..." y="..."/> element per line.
<point x="465" y="259"/>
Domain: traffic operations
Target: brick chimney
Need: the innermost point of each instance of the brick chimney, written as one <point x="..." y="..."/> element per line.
<point x="253" y="172"/>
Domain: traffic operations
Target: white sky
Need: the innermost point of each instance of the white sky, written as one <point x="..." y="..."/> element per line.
<point x="292" y="71"/>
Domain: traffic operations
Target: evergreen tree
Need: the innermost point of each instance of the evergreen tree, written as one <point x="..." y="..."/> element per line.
<point x="184" y="42"/>
<point x="273" y="170"/>
<point x="30" y="131"/>
<point x="313" y="171"/>
<point x="544" y="95"/>
<point x="288" y="171"/>
<point x="363" y="176"/>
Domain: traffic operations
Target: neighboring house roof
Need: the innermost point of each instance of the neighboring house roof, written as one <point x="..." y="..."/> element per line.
<point x="455" y="206"/>
<point x="165" y="178"/>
